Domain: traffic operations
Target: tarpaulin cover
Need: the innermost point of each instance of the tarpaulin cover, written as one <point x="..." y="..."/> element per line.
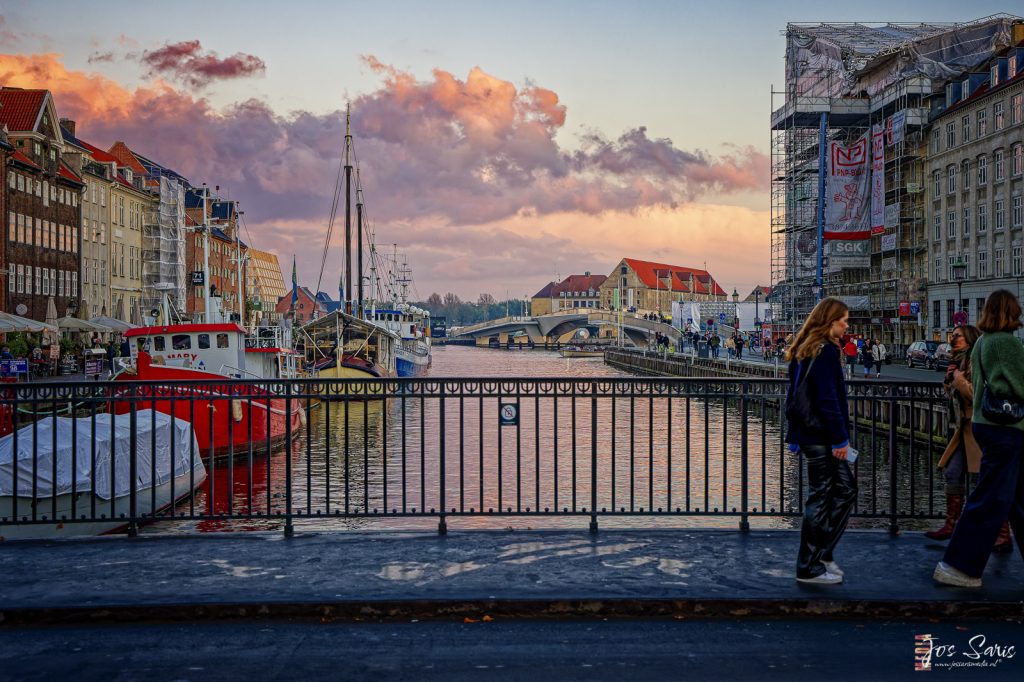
<point x="113" y="448"/>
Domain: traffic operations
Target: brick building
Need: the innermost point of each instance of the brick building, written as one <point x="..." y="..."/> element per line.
<point x="43" y="208"/>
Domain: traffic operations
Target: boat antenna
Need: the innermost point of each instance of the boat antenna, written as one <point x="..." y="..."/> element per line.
<point x="348" y="211"/>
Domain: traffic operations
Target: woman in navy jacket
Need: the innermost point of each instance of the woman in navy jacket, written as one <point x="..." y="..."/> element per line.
<point x="815" y="357"/>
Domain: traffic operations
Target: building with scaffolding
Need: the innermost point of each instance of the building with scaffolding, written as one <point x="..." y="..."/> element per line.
<point x="859" y="76"/>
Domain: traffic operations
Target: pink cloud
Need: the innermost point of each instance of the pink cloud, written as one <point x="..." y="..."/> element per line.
<point x="446" y="161"/>
<point x="186" y="61"/>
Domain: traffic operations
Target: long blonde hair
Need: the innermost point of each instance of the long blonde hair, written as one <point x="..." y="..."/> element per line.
<point x="815" y="330"/>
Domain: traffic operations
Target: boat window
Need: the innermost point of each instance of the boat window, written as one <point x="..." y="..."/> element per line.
<point x="204" y="341"/>
<point x="181" y="342"/>
<point x="143" y="343"/>
<point x="158" y="343"/>
<point x="222" y="340"/>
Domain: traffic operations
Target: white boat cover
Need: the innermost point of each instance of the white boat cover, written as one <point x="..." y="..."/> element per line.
<point x="168" y="431"/>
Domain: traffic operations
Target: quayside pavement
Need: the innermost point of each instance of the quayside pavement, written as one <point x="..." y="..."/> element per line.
<point x="481" y="575"/>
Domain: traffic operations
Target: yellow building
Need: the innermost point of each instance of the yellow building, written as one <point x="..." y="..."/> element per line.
<point x="266" y="286"/>
<point x="651" y="287"/>
<point x="572" y="293"/>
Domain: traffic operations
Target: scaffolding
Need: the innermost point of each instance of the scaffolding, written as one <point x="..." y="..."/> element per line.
<point x="860" y="75"/>
<point x="163" y="248"/>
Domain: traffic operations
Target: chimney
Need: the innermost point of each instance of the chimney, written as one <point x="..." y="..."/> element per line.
<point x="68" y="125"/>
<point x="587" y="273"/>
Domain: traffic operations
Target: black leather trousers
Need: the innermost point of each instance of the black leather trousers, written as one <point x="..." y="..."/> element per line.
<point x="832" y="490"/>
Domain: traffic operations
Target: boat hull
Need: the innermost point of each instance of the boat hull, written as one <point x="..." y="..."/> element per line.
<point x="228" y="421"/>
<point x="183" y="486"/>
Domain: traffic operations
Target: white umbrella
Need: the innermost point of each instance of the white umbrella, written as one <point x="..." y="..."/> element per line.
<point x="24" y="324"/>
<point x="76" y="325"/>
<point x="112" y="323"/>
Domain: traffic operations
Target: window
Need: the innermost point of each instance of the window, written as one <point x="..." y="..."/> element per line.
<point x="12" y="179"/>
<point x="950" y="135"/>
<point x="1017" y="109"/>
<point x="982" y="123"/>
<point x="222" y="341"/>
<point x="982" y="218"/>
<point x="951" y="224"/>
<point x="982" y="264"/>
<point x="21" y="279"/>
<point x="46" y="284"/>
<point x="982" y="170"/>
<point x="951" y="179"/>
<point x="936" y="314"/>
<point x="1018" y="158"/>
<point x="60" y="283"/>
<point x="204" y="341"/>
<point x="181" y="342"/>
<point x="12" y="276"/>
<point x="937" y="180"/>
<point x="159" y="343"/>
<point x="74" y="284"/>
<point x="1000" y="214"/>
<point x="999" y="255"/>
<point x="967" y="221"/>
<point x="965" y="129"/>
<point x="21" y="183"/>
<point x="938" y="227"/>
<point x="997" y="115"/>
<point x="39" y="280"/>
<point x="1000" y="165"/>
<point x="1016" y="211"/>
<point x="1017" y="261"/>
<point x="938" y="268"/>
<point x="950" y="308"/>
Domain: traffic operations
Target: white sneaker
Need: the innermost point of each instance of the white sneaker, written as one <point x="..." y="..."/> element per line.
<point x="825" y="578"/>
<point x="947" y="575"/>
<point x="833" y="568"/>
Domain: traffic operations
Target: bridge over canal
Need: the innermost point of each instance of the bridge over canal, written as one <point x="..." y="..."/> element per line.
<point x="552" y="327"/>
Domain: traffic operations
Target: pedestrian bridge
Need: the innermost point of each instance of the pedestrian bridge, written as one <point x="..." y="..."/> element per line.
<point x="548" y="328"/>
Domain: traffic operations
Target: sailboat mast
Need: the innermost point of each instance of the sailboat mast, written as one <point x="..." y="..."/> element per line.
<point x="347" y="303"/>
<point x="359" y="241"/>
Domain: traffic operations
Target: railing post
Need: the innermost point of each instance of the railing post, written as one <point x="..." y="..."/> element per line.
<point x="442" y="526"/>
<point x="593" y="458"/>
<point x="894" y="527"/>
<point x="289" y="529"/>
<point x="133" y="497"/>
<point x="744" y="464"/>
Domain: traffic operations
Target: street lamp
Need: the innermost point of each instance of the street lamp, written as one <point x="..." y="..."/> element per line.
<point x="959" y="269"/>
<point x="757" y="306"/>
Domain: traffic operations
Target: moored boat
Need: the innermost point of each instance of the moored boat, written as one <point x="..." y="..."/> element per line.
<point x="61" y="468"/>
<point x="582" y="352"/>
<point x="231" y="418"/>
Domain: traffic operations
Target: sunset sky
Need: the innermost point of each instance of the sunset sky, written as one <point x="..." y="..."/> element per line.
<point x="500" y="144"/>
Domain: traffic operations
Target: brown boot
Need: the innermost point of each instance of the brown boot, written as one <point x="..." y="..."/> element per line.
<point x="954" y="505"/>
<point x="1004" y="543"/>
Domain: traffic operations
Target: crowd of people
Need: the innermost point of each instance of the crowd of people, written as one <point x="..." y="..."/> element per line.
<point x="49" y="358"/>
<point x="985" y="386"/>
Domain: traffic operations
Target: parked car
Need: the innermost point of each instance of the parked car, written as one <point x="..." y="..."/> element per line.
<point x="922" y="354"/>
<point x="943" y="356"/>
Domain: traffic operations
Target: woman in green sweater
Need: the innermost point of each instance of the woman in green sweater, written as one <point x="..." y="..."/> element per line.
<point x="998" y="359"/>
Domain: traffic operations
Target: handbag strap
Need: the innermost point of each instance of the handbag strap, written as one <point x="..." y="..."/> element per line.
<point x="809" y="366"/>
<point x="981" y="365"/>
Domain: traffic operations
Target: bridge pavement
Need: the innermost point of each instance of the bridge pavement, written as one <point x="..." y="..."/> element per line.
<point x="470" y="574"/>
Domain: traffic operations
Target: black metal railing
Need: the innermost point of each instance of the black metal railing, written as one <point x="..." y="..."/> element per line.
<point x="442" y="448"/>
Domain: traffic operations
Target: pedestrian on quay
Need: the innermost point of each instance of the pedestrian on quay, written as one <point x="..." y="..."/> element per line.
<point x="867" y="357"/>
<point x="850" y="353"/>
<point x="730" y="346"/>
<point x="997" y="364"/>
<point x="715" y="341"/>
<point x="819" y="428"/>
<point x="878" y="353"/>
<point x="739" y="347"/>
<point x="962" y="456"/>
<point x="766" y="348"/>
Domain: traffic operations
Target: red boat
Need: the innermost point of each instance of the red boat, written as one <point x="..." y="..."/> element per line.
<point x="228" y="419"/>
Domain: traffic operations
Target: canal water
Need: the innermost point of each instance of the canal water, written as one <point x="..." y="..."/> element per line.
<point x="655" y="452"/>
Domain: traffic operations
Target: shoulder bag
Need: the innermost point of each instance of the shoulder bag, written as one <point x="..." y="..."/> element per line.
<point x="1002" y="411"/>
<point x="800" y="407"/>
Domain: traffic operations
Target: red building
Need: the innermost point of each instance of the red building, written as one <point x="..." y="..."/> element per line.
<point x="5" y="152"/>
<point x="43" y="209"/>
<point x="307" y="308"/>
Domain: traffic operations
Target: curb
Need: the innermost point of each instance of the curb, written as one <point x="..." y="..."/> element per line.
<point x="455" y="609"/>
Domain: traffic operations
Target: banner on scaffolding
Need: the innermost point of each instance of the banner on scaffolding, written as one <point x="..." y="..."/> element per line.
<point x="895" y="126"/>
<point x="847" y="254"/>
<point x="848" y="195"/>
<point x="877" y="179"/>
<point x="892" y="215"/>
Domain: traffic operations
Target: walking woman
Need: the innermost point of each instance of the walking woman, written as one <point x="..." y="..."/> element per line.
<point x="997" y="364"/>
<point x="867" y="358"/>
<point x="819" y="428"/>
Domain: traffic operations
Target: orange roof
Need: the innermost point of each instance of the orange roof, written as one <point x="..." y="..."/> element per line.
<point x="581" y="283"/>
<point x="98" y="154"/>
<point x="679" y="278"/>
<point x="21" y="158"/>
<point x="68" y="174"/>
<point x="19" y="109"/>
<point x="125" y="157"/>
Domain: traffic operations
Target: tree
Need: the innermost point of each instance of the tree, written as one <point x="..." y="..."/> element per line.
<point x="485" y="300"/>
<point x="434" y="302"/>
<point x="451" y="300"/>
